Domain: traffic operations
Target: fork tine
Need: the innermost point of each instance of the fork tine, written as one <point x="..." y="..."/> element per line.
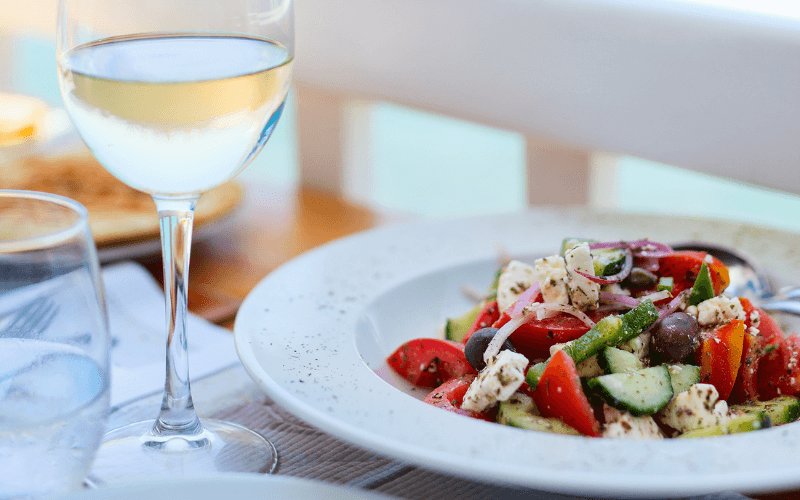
<point x="48" y="318"/>
<point x="32" y="319"/>
<point x="35" y="316"/>
<point x="21" y="315"/>
<point x="41" y="319"/>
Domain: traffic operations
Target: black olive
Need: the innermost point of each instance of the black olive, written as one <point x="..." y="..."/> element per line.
<point x="640" y="278"/>
<point x="676" y="337"/>
<point x="477" y="344"/>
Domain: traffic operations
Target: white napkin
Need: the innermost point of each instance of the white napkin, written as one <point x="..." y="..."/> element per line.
<point x="136" y="316"/>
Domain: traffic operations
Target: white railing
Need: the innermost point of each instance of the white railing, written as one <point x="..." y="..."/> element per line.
<point x="707" y="88"/>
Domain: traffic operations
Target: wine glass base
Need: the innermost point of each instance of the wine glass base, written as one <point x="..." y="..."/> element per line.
<point x="130" y="453"/>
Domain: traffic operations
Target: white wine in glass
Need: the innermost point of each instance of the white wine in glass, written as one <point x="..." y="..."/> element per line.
<point x="196" y="119"/>
<point x="175" y="98"/>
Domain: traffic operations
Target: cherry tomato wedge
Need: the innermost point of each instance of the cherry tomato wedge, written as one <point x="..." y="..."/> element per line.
<point x="450" y="395"/>
<point x="559" y="394"/>
<point x="778" y="372"/>
<point x="486" y="317"/>
<point x="684" y="266"/>
<point x="534" y="338"/>
<point x="769" y="329"/>
<point x="430" y="362"/>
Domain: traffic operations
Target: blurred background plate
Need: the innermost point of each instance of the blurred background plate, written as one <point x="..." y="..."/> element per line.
<point x="123" y="220"/>
<point x="27" y="124"/>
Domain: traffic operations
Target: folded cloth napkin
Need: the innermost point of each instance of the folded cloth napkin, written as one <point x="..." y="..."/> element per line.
<point x="136" y="316"/>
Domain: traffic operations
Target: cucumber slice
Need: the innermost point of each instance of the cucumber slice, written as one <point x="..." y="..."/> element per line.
<point x="743" y="423"/>
<point x="665" y="283"/>
<point x="568" y="243"/>
<point x="608" y="261"/>
<point x="609" y="331"/>
<point x="515" y="415"/>
<point x="491" y="293"/>
<point x="781" y="410"/>
<point x="642" y="392"/>
<point x="612" y="331"/>
<point x="638" y="319"/>
<point x="456" y="328"/>
<point x="613" y="360"/>
<point x="683" y="376"/>
<point x="703" y="288"/>
<point x="604" y="333"/>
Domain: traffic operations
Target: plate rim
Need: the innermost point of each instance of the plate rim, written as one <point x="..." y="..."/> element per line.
<point x="550" y="480"/>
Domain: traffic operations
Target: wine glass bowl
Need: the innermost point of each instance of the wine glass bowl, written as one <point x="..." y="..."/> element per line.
<point x="175" y="98"/>
<point x="54" y="379"/>
<point x="185" y="114"/>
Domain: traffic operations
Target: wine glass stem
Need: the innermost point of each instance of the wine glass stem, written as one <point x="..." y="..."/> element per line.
<point x="177" y="415"/>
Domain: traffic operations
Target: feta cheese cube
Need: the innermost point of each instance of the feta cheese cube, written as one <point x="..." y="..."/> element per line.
<point x="551" y="272"/>
<point x="719" y="310"/>
<point x="497" y="382"/>
<point x="621" y="424"/>
<point x="696" y="407"/>
<point x="639" y="345"/>
<point x="515" y="279"/>
<point x="755" y="322"/>
<point x="583" y="292"/>
<point x="616" y="289"/>
<point x="755" y="319"/>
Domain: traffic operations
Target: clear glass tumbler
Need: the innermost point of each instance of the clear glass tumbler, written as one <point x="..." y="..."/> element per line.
<point x="54" y="345"/>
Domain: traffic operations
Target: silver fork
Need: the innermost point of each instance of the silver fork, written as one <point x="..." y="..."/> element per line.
<point x="31" y="319"/>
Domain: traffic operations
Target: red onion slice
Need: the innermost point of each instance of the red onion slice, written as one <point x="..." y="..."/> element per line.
<point x="608" y="244"/>
<point x="524" y="299"/>
<point x="612" y="307"/>
<point x="655" y="296"/>
<point x="501" y="336"/>
<point x="645" y="248"/>
<point x="673" y="305"/>
<point x="617" y="299"/>
<point x="641" y="248"/>
<point x="549" y="309"/>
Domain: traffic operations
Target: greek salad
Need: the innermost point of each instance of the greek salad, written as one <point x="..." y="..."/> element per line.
<point x="622" y="339"/>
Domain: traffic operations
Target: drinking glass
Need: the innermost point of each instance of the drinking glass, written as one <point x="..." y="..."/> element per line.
<point x="175" y="97"/>
<point x="54" y="340"/>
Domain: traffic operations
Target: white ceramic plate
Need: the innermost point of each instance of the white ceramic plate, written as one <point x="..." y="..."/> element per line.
<point x="316" y="332"/>
<point x="239" y="486"/>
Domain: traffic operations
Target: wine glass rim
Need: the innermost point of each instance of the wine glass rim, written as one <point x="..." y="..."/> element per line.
<point x="58" y="236"/>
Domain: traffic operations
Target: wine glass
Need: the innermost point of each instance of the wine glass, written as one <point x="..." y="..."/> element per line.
<point x="175" y="97"/>
<point x="54" y="341"/>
